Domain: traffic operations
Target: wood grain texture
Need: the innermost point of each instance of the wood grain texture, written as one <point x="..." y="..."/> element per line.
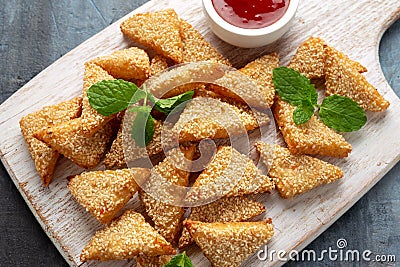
<point x="361" y="174"/>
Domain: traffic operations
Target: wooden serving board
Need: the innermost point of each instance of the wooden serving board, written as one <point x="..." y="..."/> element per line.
<point x="354" y="27"/>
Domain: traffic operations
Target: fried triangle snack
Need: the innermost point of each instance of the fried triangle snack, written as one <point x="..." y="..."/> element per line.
<point x="312" y="137"/>
<point x="342" y="78"/>
<point x="82" y="150"/>
<point x="91" y="120"/>
<point x="125" y="238"/>
<point x="104" y="193"/>
<point x="128" y="64"/>
<point x="158" y="64"/>
<point x="158" y="31"/>
<point x="212" y="118"/>
<point x="235" y="209"/>
<point x="296" y="174"/>
<point x="195" y="48"/>
<point x="229" y="244"/>
<point x="229" y="174"/>
<point x="167" y="218"/>
<point x="115" y="158"/>
<point x="155" y="261"/>
<point x="259" y="72"/>
<point x="44" y="157"/>
<point x="309" y="59"/>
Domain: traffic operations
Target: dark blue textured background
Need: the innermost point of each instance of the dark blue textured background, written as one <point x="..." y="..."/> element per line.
<point x="33" y="34"/>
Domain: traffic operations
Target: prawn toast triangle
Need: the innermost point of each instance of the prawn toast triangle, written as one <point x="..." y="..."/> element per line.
<point x="343" y="79"/>
<point x="125" y="238"/>
<point x="312" y="137"/>
<point x="229" y="244"/>
<point x="235" y="209"/>
<point x="104" y="193"/>
<point x="44" y="157"/>
<point x="310" y="57"/>
<point x="82" y="150"/>
<point x="229" y="173"/>
<point x="158" y="31"/>
<point x="296" y="174"/>
<point x="166" y="217"/>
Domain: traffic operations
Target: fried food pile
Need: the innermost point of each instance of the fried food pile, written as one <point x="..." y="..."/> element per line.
<point x="221" y="228"/>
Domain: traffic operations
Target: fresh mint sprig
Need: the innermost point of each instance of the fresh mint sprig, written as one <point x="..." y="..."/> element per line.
<point x="112" y="96"/>
<point x="180" y="260"/>
<point x="337" y="112"/>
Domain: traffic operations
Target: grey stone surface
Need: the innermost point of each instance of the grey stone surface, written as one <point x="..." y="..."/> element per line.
<point x="33" y="34"/>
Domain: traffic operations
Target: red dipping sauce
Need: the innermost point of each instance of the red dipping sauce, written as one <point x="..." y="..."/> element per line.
<point x="251" y="14"/>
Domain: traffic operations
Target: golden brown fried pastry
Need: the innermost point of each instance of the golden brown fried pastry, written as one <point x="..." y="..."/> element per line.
<point x="195" y="48"/>
<point x="229" y="173"/>
<point x="259" y="72"/>
<point x="167" y="218"/>
<point x="155" y="261"/>
<point x="128" y="64"/>
<point x="85" y="151"/>
<point x="104" y="193"/>
<point x="125" y="238"/>
<point x="296" y="174"/>
<point x="212" y="118"/>
<point x="312" y="137"/>
<point x="230" y="243"/>
<point x="44" y="157"/>
<point x="309" y="59"/>
<point x="158" y="31"/>
<point x="91" y="120"/>
<point x="227" y="209"/>
<point x="342" y="78"/>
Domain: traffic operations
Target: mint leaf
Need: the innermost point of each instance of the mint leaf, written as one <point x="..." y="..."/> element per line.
<point x="143" y="126"/>
<point x="303" y="114"/>
<point x="342" y="114"/>
<point x="293" y="87"/>
<point x="180" y="260"/>
<point x="112" y="96"/>
<point x="169" y="105"/>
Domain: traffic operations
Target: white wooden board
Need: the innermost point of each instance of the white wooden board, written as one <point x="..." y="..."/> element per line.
<point x="354" y="27"/>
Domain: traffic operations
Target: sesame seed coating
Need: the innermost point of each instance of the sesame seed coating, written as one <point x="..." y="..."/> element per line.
<point x="158" y="64"/>
<point x="116" y="157"/>
<point x="196" y="48"/>
<point x="312" y="137"/>
<point x="259" y="72"/>
<point x="296" y="174"/>
<point x="125" y="238"/>
<point x="91" y="120"/>
<point x="211" y="118"/>
<point x="309" y="59"/>
<point x="229" y="173"/>
<point x="230" y="243"/>
<point x="227" y="209"/>
<point x="104" y="193"/>
<point x="44" y="157"/>
<point x="158" y="31"/>
<point x="167" y="218"/>
<point x="82" y="150"/>
<point x="343" y="79"/>
<point x="156" y="261"/>
<point x="128" y="64"/>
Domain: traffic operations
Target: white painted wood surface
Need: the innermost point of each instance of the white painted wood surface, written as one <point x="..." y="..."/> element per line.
<point x="354" y="27"/>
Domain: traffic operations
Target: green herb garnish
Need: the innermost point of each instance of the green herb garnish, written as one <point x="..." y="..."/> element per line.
<point x="337" y="112"/>
<point x="112" y="96"/>
<point x="180" y="260"/>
